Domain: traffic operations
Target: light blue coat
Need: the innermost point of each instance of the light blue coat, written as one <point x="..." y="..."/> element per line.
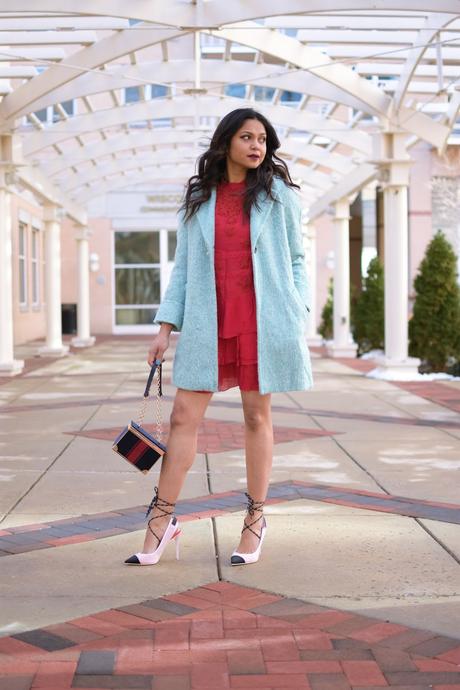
<point x="281" y="288"/>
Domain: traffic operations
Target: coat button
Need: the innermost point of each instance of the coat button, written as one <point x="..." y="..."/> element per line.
<point x="255" y="250"/>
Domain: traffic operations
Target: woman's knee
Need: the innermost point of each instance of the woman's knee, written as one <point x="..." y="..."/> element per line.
<point x="183" y="416"/>
<point x="256" y="419"/>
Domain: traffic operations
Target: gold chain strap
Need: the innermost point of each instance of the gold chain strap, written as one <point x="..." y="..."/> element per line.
<point x="158" y="408"/>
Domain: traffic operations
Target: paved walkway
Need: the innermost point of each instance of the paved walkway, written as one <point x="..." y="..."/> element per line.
<point x="359" y="582"/>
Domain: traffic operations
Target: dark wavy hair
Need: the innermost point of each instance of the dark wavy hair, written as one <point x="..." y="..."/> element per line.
<point x="212" y="167"/>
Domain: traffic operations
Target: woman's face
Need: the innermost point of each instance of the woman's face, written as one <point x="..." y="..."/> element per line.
<point x="248" y="145"/>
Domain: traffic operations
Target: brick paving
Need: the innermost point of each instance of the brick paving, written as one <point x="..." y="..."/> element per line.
<point x="216" y="436"/>
<point x="435" y="391"/>
<point x="112" y="432"/>
<point x="84" y="528"/>
<point x="223" y="636"/>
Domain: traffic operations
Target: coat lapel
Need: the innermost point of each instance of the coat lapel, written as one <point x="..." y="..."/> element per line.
<point x="259" y="216"/>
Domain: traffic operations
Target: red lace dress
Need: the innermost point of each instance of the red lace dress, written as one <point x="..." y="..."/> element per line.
<point x="236" y="300"/>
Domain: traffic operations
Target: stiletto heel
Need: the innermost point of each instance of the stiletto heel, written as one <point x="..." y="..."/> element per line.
<point x="172" y="532"/>
<point x="177" y="537"/>
<point x="246" y="558"/>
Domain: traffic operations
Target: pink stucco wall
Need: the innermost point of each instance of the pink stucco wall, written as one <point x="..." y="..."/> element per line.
<point x="100" y="281"/>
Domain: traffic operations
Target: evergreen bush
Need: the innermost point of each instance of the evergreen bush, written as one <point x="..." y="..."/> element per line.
<point x="326" y="325"/>
<point x="368" y="320"/>
<point x="434" y="330"/>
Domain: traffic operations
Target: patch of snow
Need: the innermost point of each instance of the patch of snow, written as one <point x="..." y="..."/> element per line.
<point x="372" y="354"/>
<point x="409" y="376"/>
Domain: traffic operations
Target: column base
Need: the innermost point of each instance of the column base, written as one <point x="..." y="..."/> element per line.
<point x="83" y="342"/>
<point x="315" y="340"/>
<point x="395" y="370"/>
<point x="12" y="368"/>
<point x="348" y="350"/>
<point x="46" y="351"/>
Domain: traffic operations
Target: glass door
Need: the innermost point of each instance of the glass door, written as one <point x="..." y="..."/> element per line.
<point x="143" y="261"/>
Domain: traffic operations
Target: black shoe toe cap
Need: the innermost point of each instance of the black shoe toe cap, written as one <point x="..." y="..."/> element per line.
<point x="133" y="560"/>
<point x="237" y="560"/>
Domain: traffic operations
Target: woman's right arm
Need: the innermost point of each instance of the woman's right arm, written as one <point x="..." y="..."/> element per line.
<point x="160" y="343"/>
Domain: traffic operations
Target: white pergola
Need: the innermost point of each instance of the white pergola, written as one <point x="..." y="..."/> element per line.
<point x="102" y="95"/>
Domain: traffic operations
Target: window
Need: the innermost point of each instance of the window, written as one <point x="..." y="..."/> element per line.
<point x="137" y="277"/>
<point x="22" y="256"/>
<point x="42" y="114"/>
<point x="263" y="93"/>
<point x="132" y="94"/>
<point x="158" y="90"/>
<point x="236" y="90"/>
<point x="35" y="261"/>
<point x="290" y="97"/>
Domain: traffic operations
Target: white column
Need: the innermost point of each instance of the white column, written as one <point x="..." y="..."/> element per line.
<point x="83" y="338"/>
<point x="342" y="344"/>
<point x="309" y="238"/>
<point x="54" y="346"/>
<point x="8" y="365"/>
<point x="396" y="364"/>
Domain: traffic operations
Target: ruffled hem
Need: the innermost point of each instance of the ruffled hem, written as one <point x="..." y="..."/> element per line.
<point x="238" y="363"/>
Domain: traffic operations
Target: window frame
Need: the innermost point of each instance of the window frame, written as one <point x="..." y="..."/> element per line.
<point x="35" y="263"/>
<point x="22" y="262"/>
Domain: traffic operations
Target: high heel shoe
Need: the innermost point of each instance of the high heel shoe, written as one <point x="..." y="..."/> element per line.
<point x="238" y="558"/>
<point x="171" y="533"/>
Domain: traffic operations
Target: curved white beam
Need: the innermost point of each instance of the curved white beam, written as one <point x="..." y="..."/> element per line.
<point x="343" y="78"/>
<point x="48" y="37"/>
<point x="140" y="141"/>
<point x="218" y="12"/>
<point x="433" y="24"/>
<point x="348" y="185"/>
<point x="214" y="75"/>
<point x="24" y="98"/>
<point x="292" y="51"/>
<point x="122" y="166"/>
<point x="173" y="173"/>
<point x="166" y="158"/>
<point x="118" y="144"/>
<point x="41" y="187"/>
<point x="180" y="107"/>
<point x="155" y="177"/>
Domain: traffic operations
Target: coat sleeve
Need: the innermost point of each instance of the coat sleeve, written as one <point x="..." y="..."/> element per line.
<point x="173" y="304"/>
<point x="293" y="216"/>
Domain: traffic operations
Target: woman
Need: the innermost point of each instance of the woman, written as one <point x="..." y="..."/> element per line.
<point x="238" y="293"/>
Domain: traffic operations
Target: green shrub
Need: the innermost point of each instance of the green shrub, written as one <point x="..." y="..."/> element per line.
<point x="367" y="323"/>
<point x="326" y="325"/>
<point x="434" y="330"/>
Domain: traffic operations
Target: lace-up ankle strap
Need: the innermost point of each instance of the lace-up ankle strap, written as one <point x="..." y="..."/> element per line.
<point x="161" y="505"/>
<point x="252" y="508"/>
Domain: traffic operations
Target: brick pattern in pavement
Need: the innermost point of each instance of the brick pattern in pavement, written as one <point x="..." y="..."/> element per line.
<point x="214" y="435"/>
<point x="222" y="636"/>
<point x="121" y="521"/>
<point x="435" y="391"/>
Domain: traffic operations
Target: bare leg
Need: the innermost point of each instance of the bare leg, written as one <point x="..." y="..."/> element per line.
<point x="259" y="457"/>
<point x="188" y="411"/>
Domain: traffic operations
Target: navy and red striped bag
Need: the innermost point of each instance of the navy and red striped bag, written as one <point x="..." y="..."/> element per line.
<point x="134" y="443"/>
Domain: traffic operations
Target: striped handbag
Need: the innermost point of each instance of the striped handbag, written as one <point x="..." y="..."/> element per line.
<point x="134" y="443"/>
